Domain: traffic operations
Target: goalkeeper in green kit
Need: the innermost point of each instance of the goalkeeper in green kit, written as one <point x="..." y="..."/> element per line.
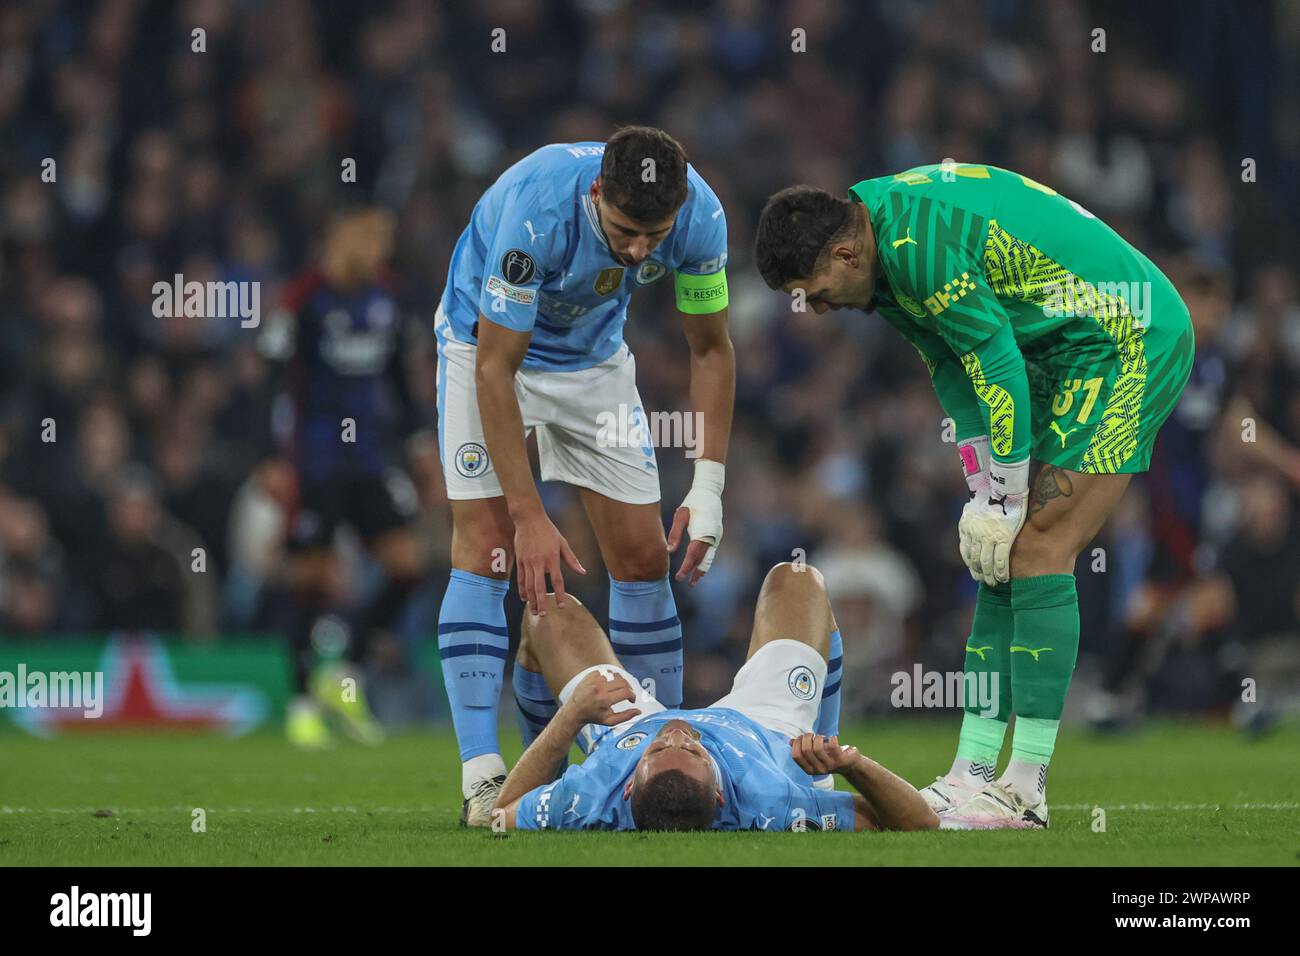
<point x="1058" y="350"/>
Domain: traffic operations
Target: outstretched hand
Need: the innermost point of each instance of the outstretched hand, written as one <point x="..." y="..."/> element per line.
<point x="699" y="553"/>
<point x="540" y="553"/>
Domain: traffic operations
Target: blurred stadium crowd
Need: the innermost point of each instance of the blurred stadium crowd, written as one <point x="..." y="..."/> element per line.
<point x="224" y="164"/>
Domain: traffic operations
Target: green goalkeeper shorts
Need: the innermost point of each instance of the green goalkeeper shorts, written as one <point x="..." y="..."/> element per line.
<point x="1097" y="409"/>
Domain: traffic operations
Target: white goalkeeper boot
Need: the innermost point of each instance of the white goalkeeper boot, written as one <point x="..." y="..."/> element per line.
<point x="946" y="794"/>
<point x="999" y="806"/>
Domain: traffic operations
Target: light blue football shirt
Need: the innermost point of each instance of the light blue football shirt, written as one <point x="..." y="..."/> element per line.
<point x="533" y="257"/>
<point x="763" y="788"/>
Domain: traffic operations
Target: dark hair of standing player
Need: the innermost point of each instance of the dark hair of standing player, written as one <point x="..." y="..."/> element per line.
<point x="795" y="231"/>
<point x="624" y="173"/>
<point x="672" y="800"/>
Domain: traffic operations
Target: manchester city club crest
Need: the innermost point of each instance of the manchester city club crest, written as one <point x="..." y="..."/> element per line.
<point x="648" y="271"/>
<point x="608" y="280"/>
<point x="471" y="459"/>
<point x="802" y="683"/>
<point x="631" y="741"/>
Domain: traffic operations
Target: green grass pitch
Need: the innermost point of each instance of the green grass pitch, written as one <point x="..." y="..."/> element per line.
<point x="1172" y="794"/>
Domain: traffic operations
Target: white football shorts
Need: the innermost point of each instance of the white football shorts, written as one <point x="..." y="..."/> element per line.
<point x="585" y="423"/>
<point x="780" y="687"/>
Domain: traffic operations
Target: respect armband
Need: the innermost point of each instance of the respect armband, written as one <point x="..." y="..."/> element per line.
<point x="701" y="295"/>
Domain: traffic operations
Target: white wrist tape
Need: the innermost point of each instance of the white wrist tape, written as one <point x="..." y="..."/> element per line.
<point x="704" y="502"/>
<point x="709" y="476"/>
<point x="1010" y="479"/>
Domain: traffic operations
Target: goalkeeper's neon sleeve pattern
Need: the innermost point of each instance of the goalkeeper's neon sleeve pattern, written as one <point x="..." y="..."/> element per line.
<point x="997" y="375"/>
<point x="958" y="398"/>
<point x="968" y="250"/>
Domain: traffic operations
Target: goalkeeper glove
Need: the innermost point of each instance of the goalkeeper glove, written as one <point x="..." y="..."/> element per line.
<point x="990" y="521"/>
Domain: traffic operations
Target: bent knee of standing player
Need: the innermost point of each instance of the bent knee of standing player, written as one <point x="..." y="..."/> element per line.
<point x="644" y="561"/>
<point x="481" y="543"/>
<point x="1036" y="552"/>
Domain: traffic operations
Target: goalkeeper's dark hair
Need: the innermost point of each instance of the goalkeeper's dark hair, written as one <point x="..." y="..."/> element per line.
<point x="796" y="230"/>
<point x="672" y="800"/>
<point x="623" y="173"/>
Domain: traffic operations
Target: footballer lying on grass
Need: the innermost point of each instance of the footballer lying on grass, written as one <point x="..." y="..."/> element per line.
<point x="761" y="758"/>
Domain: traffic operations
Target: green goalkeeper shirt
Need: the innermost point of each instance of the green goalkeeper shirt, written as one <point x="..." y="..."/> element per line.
<point x="984" y="270"/>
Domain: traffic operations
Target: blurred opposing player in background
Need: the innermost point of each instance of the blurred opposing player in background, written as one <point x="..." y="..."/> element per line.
<point x="758" y="759"/>
<point x="1046" y="336"/>
<point x="530" y="338"/>
<point x="338" y="335"/>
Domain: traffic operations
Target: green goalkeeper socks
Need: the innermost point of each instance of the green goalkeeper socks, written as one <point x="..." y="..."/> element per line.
<point x="1020" y="656"/>
<point x="1043" y="653"/>
<point x="1045" y="645"/>
<point x="988" y="687"/>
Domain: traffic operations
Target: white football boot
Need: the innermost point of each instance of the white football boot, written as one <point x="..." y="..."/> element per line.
<point x="482" y="778"/>
<point x="946" y="794"/>
<point x="999" y="806"/>
<point x="477" y="810"/>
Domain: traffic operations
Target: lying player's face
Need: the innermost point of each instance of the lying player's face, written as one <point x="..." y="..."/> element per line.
<point x="630" y="242"/>
<point x="676" y="747"/>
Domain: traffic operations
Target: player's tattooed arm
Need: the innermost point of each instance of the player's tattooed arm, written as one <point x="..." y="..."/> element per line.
<point x="1047" y="484"/>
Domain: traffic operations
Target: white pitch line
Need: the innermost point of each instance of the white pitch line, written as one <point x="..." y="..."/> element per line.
<point x="1147" y="807"/>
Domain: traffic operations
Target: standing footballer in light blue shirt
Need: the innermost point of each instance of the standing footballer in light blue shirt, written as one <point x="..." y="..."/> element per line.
<point x="530" y="339"/>
<point x="758" y="759"/>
